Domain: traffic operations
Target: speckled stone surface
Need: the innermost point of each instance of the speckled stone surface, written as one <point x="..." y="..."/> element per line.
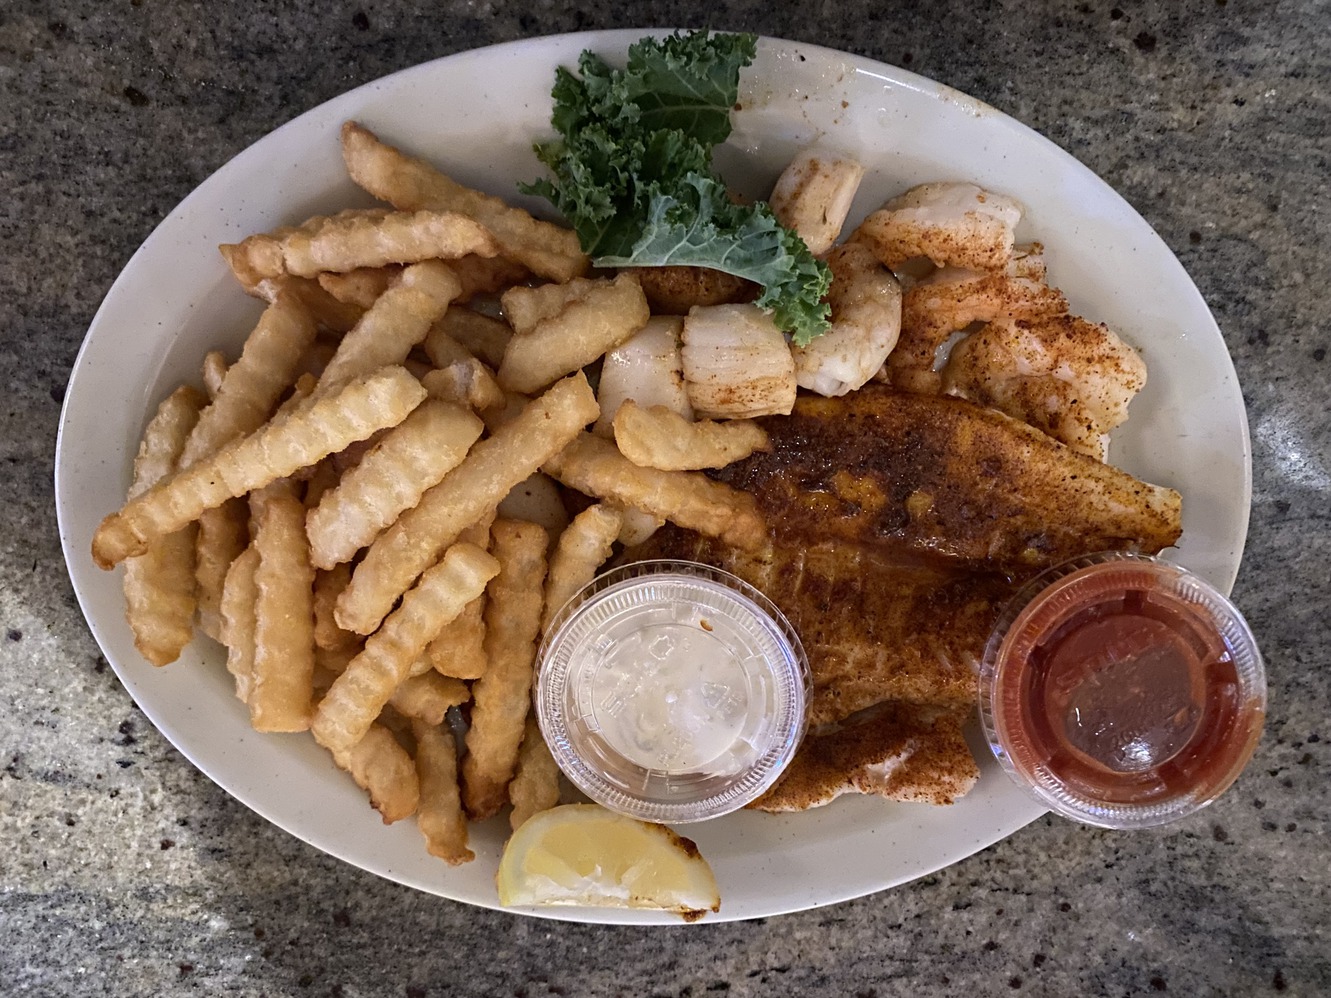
<point x="123" y="871"/>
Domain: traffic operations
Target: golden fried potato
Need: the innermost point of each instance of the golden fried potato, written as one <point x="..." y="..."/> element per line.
<point x="384" y="769"/>
<point x="224" y="532"/>
<point x="358" y="695"/>
<point x="583" y="548"/>
<point x="356" y="238"/>
<point x="335" y="316"/>
<point x="468" y="382"/>
<point x="501" y="696"/>
<point x="599" y="320"/>
<point x="361" y="286"/>
<point x="398" y="320"/>
<point x="458" y="650"/>
<point x="302" y="439"/>
<point x="281" y="690"/>
<point x="535" y="785"/>
<point x="690" y="499"/>
<point x="269" y="364"/>
<point x="441" y="820"/>
<point x="410" y="458"/>
<point x="159" y="584"/>
<point x="428" y="696"/>
<point x="239" y="596"/>
<point x="473" y="488"/>
<point x="483" y="336"/>
<point x="411" y="184"/>
<point x="482" y="275"/>
<point x="213" y="371"/>
<point x="660" y="438"/>
<point x="526" y="307"/>
<point x="328" y="586"/>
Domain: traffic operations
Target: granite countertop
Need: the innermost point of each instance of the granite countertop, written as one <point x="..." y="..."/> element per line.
<point x="125" y="871"/>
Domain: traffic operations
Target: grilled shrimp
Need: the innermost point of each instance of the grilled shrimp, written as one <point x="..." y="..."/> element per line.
<point x="957" y="225"/>
<point x="1071" y="378"/>
<point x="813" y="196"/>
<point x="947" y="302"/>
<point x="866" y="321"/>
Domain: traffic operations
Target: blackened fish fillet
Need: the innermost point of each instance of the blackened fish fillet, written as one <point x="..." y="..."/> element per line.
<point x="943" y="477"/>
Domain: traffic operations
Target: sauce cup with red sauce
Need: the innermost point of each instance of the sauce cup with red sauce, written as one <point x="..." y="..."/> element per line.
<point x="1122" y="691"/>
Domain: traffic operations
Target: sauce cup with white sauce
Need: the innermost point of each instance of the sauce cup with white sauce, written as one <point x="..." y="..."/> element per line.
<point x="671" y="691"/>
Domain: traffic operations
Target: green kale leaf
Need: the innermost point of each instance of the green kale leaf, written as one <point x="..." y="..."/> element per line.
<point x="632" y="172"/>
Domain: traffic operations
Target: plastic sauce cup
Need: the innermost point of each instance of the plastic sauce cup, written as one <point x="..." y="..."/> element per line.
<point x="1122" y="691"/>
<point x="671" y="691"/>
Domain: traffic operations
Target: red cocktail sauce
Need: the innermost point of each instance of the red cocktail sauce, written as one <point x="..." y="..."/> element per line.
<point x="1122" y="688"/>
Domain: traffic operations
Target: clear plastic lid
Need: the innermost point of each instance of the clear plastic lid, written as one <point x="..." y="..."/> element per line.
<point x="671" y="691"/>
<point x="1122" y="691"/>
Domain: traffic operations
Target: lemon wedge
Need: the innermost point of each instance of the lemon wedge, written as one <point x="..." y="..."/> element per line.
<point x="584" y="854"/>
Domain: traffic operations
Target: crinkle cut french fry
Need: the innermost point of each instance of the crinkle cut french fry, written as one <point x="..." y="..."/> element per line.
<point x="354" y="239"/>
<point x="328" y="585"/>
<point x="224" y="532"/>
<point x="350" y="457"/>
<point x="361" y="286"/>
<point x="361" y="692"/>
<point x="411" y="457"/>
<point x="473" y="488"/>
<point x="333" y="315"/>
<point x="280" y="448"/>
<point x="440" y="815"/>
<point x="482" y="275"/>
<point x="411" y="184"/>
<point x="213" y="370"/>
<point x="282" y="691"/>
<point x="458" y="650"/>
<point x="583" y="548"/>
<point x="692" y="500"/>
<point x="269" y="364"/>
<point x="428" y="696"/>
<point x="384" y="769"/>
<point x="601" y="320"/>
<point x="399" y="320"/>
<point x="325" y="475"/>
<point x="500" y="697"/>
<point x="237" y="611"/>
<point x="329" y="663"/>
<point x="535" y="785"/>
<point x="526" y="307"/>
<point x="262" y="277"/>
<point x="482" y="335"/>
<point x="466" y="381"/>
<point x="659" y="438"/>
<point x="441" y="348"/>
<point x="159" y="584"/>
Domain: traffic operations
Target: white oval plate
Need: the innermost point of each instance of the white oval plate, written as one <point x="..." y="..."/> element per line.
<point x="477" y="114"/>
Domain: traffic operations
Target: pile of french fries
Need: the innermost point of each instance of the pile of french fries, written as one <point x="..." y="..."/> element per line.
<point x="362" y="506"/>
